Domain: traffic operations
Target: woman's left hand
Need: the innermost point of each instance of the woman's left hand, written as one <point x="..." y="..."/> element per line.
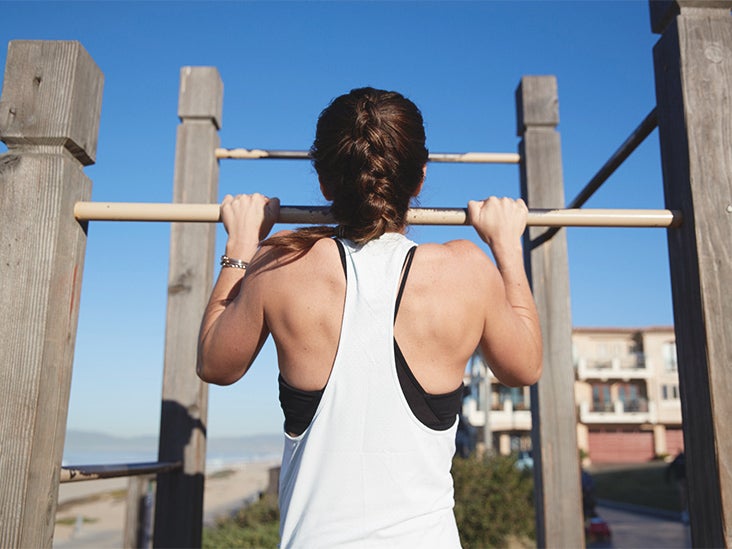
<point x="248" y="219"/>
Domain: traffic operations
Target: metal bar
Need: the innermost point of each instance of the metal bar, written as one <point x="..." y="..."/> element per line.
<point x="75" y="473"/>
<point x="469" y="157"/>
<point x="649" y="124"/>
<point x="210" y="213"/>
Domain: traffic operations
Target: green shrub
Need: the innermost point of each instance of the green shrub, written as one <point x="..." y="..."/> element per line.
<point x="494" y="507"/>
<point x="494" y="502"/>
<point x="255" y="526"/>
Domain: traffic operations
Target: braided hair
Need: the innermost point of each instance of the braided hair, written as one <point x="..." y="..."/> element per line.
<point x="369" y="153"/>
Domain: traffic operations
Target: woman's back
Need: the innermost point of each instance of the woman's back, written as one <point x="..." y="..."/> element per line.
<point x="438" y="327"/>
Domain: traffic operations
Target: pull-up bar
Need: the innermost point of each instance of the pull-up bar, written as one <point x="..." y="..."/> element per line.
<point x="211" y="213"/>
<point x="465" y="158"/>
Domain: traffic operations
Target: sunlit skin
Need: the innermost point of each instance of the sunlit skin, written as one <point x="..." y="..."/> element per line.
<point x="456" y="299"/>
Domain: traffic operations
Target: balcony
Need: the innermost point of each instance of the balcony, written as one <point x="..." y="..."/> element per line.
<point x="501" y="419"/>
<point x="631" y="412"/>
<point x="626" y="368"/>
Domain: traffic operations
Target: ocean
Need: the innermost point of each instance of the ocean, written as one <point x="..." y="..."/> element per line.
<point x="85" y="448"/>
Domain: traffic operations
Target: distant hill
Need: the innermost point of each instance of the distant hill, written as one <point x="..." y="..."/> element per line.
<point x="83" y="446"/>
<point x="89" y="441"/>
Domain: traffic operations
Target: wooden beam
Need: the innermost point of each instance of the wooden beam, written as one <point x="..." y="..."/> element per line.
<point x="179" y="498"/>
<point x="693" y="68"/>
<point x="49" y="118"/>
<point x="557" y="492"/>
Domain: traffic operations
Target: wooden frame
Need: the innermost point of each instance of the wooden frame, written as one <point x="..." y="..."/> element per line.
<point x="45" y="255"/>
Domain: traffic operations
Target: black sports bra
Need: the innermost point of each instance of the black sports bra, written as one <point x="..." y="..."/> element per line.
<point x="437" y="412"/>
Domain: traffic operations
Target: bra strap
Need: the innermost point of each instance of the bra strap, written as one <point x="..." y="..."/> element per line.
<point x="407" y="266"/>
<point x="342" y="253"/>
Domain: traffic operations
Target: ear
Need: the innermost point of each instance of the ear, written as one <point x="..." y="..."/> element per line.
<point x="421" y="183"/>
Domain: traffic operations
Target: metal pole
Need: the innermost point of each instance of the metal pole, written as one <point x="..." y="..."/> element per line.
<point x="468" y="157"/>
<point x="76" y="473"/>
<point x="210" y="213"/>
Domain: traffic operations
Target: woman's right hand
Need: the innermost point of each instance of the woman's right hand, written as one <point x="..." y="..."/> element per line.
<point x="512" y="336"/>
<point x="499" y="222"/>
<point x="247" y="219"/>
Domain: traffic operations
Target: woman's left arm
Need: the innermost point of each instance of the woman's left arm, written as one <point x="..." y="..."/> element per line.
<point x="233" y="328"/>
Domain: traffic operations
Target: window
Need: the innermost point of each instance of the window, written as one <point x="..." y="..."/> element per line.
<point x="670" y="392"/>
<point x="669" y="356"/>
<point x="601" y="401"/>
<point x="633" y="397"/>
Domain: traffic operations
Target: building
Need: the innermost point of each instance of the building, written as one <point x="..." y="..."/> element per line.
<point x="626" y="392"/>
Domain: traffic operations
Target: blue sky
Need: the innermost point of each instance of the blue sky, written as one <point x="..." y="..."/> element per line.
<point x="281" y="63"/>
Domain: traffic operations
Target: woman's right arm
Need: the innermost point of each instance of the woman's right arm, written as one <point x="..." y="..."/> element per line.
<point x="511" y="340"/>
<point x="233" y="328"/>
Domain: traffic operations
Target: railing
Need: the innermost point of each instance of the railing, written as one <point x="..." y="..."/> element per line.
<point x="76" y="473"/>
<point x="625" y="367"/>
<point x="502" y="418"/>
<point x="635" y="411"/>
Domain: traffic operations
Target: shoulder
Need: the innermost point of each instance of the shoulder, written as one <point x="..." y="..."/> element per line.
<point x="460" y="263"/>
<point x="455" y="253"/>
<point x="274" y="260"/>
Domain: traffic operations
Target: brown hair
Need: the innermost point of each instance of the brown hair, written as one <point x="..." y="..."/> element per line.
<point x="369" y="153"/>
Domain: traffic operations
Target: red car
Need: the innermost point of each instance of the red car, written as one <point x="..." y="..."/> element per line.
<point x="596" y="529"/>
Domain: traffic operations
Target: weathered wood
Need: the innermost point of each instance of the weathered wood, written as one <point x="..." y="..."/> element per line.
<point x="49" y="113"/>
<point x="52" y="96"/>
<point x="201" y="95"/>
<point x="664" y="11"/>
<point x="553" y="416"/>
<point x="179" y="499"/>
<point x="693" y="66"/>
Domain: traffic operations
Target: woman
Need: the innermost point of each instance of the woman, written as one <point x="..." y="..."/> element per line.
<point x="372" y="332"/>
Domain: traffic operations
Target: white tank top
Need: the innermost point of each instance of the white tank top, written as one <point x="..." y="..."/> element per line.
<point x="367" y="472"/>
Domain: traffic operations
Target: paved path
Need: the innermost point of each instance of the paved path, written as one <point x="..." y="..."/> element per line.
<point x="638" y="531"/>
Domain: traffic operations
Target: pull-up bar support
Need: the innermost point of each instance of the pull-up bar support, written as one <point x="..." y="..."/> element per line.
<point x="211" y="213"/>
<point x="644" y="129"/>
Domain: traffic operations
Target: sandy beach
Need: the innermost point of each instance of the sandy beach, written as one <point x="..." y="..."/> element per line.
<point x="91" y="514"/>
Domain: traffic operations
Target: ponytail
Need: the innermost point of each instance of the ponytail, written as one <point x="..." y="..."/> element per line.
<point x="369" y="153"/>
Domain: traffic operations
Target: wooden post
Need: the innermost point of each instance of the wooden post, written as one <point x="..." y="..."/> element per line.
<point x="49" y="119"/>
<point x="138" y="513"/>
<point x="559" y="520"/>
<point x="179" y="498"/>
<point x="693" y="66"/>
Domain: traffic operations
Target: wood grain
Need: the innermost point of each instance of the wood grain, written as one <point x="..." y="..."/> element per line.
<point x="557" y="492"/>
<point x="179" y="498"/>
<point x="693" y="66"/>
<point x="49" y="119"/>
